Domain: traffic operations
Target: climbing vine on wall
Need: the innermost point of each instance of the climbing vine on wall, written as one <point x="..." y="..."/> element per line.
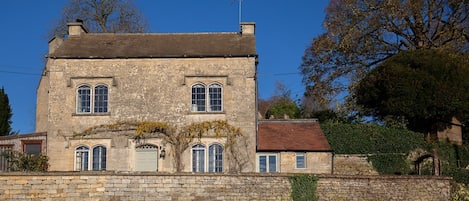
<point x="180" y="138"/>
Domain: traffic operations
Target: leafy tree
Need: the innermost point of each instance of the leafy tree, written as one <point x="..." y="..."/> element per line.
<point x="5" y="113"/>
<point x="359" y="34"/>
<point x="282" y="108"/>
<point x="102" y="16"/>
<point x="420" y="86"/>
<point x="280" y="104"/>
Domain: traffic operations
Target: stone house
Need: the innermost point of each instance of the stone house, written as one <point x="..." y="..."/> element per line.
<point x="113" y="101"/>
<point x="293" y="146"/>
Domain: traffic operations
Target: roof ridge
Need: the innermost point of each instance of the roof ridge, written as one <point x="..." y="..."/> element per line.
<point x="158" y="34"/>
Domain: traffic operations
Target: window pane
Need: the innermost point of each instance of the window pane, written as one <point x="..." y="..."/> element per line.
<point x="272" y="164"/>
<point x="198" y="98"/>
<point x="32" y="149"/>
<point x="99" y="158"/>
<point x="82" y="158"/>
<point x="262" y="164"/>
<point x="100" y="99"/>
<point x="215" y="157"/>
<point x="215" y="95"/>
<point x="83" y="99"/>
<point x="300" y="160"/>
<point x="198" y="158"/>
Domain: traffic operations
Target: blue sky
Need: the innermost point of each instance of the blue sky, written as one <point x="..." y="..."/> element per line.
<point x="283" y="30"/>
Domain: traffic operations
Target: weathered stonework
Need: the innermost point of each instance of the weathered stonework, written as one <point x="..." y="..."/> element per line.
<point x="316" y="163"/>
<point x="141" y="89"/>
<point x="152" y="186"/>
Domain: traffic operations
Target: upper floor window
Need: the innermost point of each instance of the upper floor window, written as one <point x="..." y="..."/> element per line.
<point x="215" y="97"/>
<point x="83" y="99"/>
<point x="200" y="94"/>
<point x="198" y="98"/>
<point x="100" y="99"/>
<point x="99" y="104"/>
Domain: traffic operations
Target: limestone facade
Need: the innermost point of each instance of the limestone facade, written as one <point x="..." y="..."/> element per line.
<point x="142" y="87"/>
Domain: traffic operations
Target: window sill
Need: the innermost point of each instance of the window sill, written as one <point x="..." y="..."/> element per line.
<point x="91" y="114"/>
<point x="191" y="112"/>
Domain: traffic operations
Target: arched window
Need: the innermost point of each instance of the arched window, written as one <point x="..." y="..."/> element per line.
<point x="215" y="158"/>
<point x="215" y="95"/>
<point x="100" y="99"/>
<point x="198" y="98"/>
<point x="84" y="99"/>
<point x="198" y="158"/>
<point x="82" y="158"/>
<point x="99" y="158"/>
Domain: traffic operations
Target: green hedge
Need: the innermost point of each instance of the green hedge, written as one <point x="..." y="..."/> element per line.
<point x="370" y="139"/>
<point x="388" y="148"/>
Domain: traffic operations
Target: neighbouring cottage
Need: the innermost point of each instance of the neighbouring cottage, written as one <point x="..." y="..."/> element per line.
<point x="122" y="102"/>
<point x="31" y="144"/>
<point x="293" y="146"/>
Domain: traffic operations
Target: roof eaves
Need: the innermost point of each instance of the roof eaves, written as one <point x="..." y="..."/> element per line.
<point x="151" y="56"/>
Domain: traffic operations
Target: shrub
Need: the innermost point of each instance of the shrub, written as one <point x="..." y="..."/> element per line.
<point x="18" y="161"/>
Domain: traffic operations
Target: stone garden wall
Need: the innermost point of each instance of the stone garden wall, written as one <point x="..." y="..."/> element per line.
<point x="106" y="186"/>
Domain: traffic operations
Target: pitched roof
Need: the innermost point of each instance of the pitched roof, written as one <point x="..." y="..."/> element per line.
<point x="99" y="45"/>
<point x="291" y="135"/>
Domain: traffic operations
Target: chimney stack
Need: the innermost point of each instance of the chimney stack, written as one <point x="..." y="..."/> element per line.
<point x="76" y="28"/>
<point x="248" y="28"/>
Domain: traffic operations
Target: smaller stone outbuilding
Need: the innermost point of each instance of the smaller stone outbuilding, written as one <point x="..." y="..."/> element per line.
<point x="34" y="143"/>
<point x="293" y="146"/>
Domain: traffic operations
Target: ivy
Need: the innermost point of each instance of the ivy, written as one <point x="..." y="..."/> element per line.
<point x="370" y="139"/>
<point x="303" y="187"/>
<point x="179" y="138"/>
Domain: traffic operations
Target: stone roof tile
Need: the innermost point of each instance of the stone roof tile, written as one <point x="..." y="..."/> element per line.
<point x="99" y="45"/>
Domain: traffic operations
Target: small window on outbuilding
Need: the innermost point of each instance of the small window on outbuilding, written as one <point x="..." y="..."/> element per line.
<point x="301" y="160"/>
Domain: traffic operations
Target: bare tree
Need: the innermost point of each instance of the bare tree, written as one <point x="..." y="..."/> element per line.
<point x="362" y="33"/>
<point x="101" y="16"/>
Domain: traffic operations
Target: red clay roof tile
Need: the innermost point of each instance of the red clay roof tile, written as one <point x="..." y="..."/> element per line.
<point x="291" y="135"/>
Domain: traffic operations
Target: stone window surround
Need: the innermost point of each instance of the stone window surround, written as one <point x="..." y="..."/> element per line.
<point x="24" y="143"/>
<point x="90" y="152"/>
<point x="207" y="100"/>
<point x="75" y="82"/>
<point x="92" y="100"/>
<point x="206" y="158"/>
<point x="297" y="155"/>
<point x="267" y="155"/>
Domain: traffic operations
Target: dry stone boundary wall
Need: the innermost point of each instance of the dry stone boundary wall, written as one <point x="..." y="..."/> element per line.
<point x="105" y="186"/>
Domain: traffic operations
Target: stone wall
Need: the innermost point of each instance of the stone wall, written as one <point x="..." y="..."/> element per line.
<point x="353" y="164"/>
<point x="151" y="186"/>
